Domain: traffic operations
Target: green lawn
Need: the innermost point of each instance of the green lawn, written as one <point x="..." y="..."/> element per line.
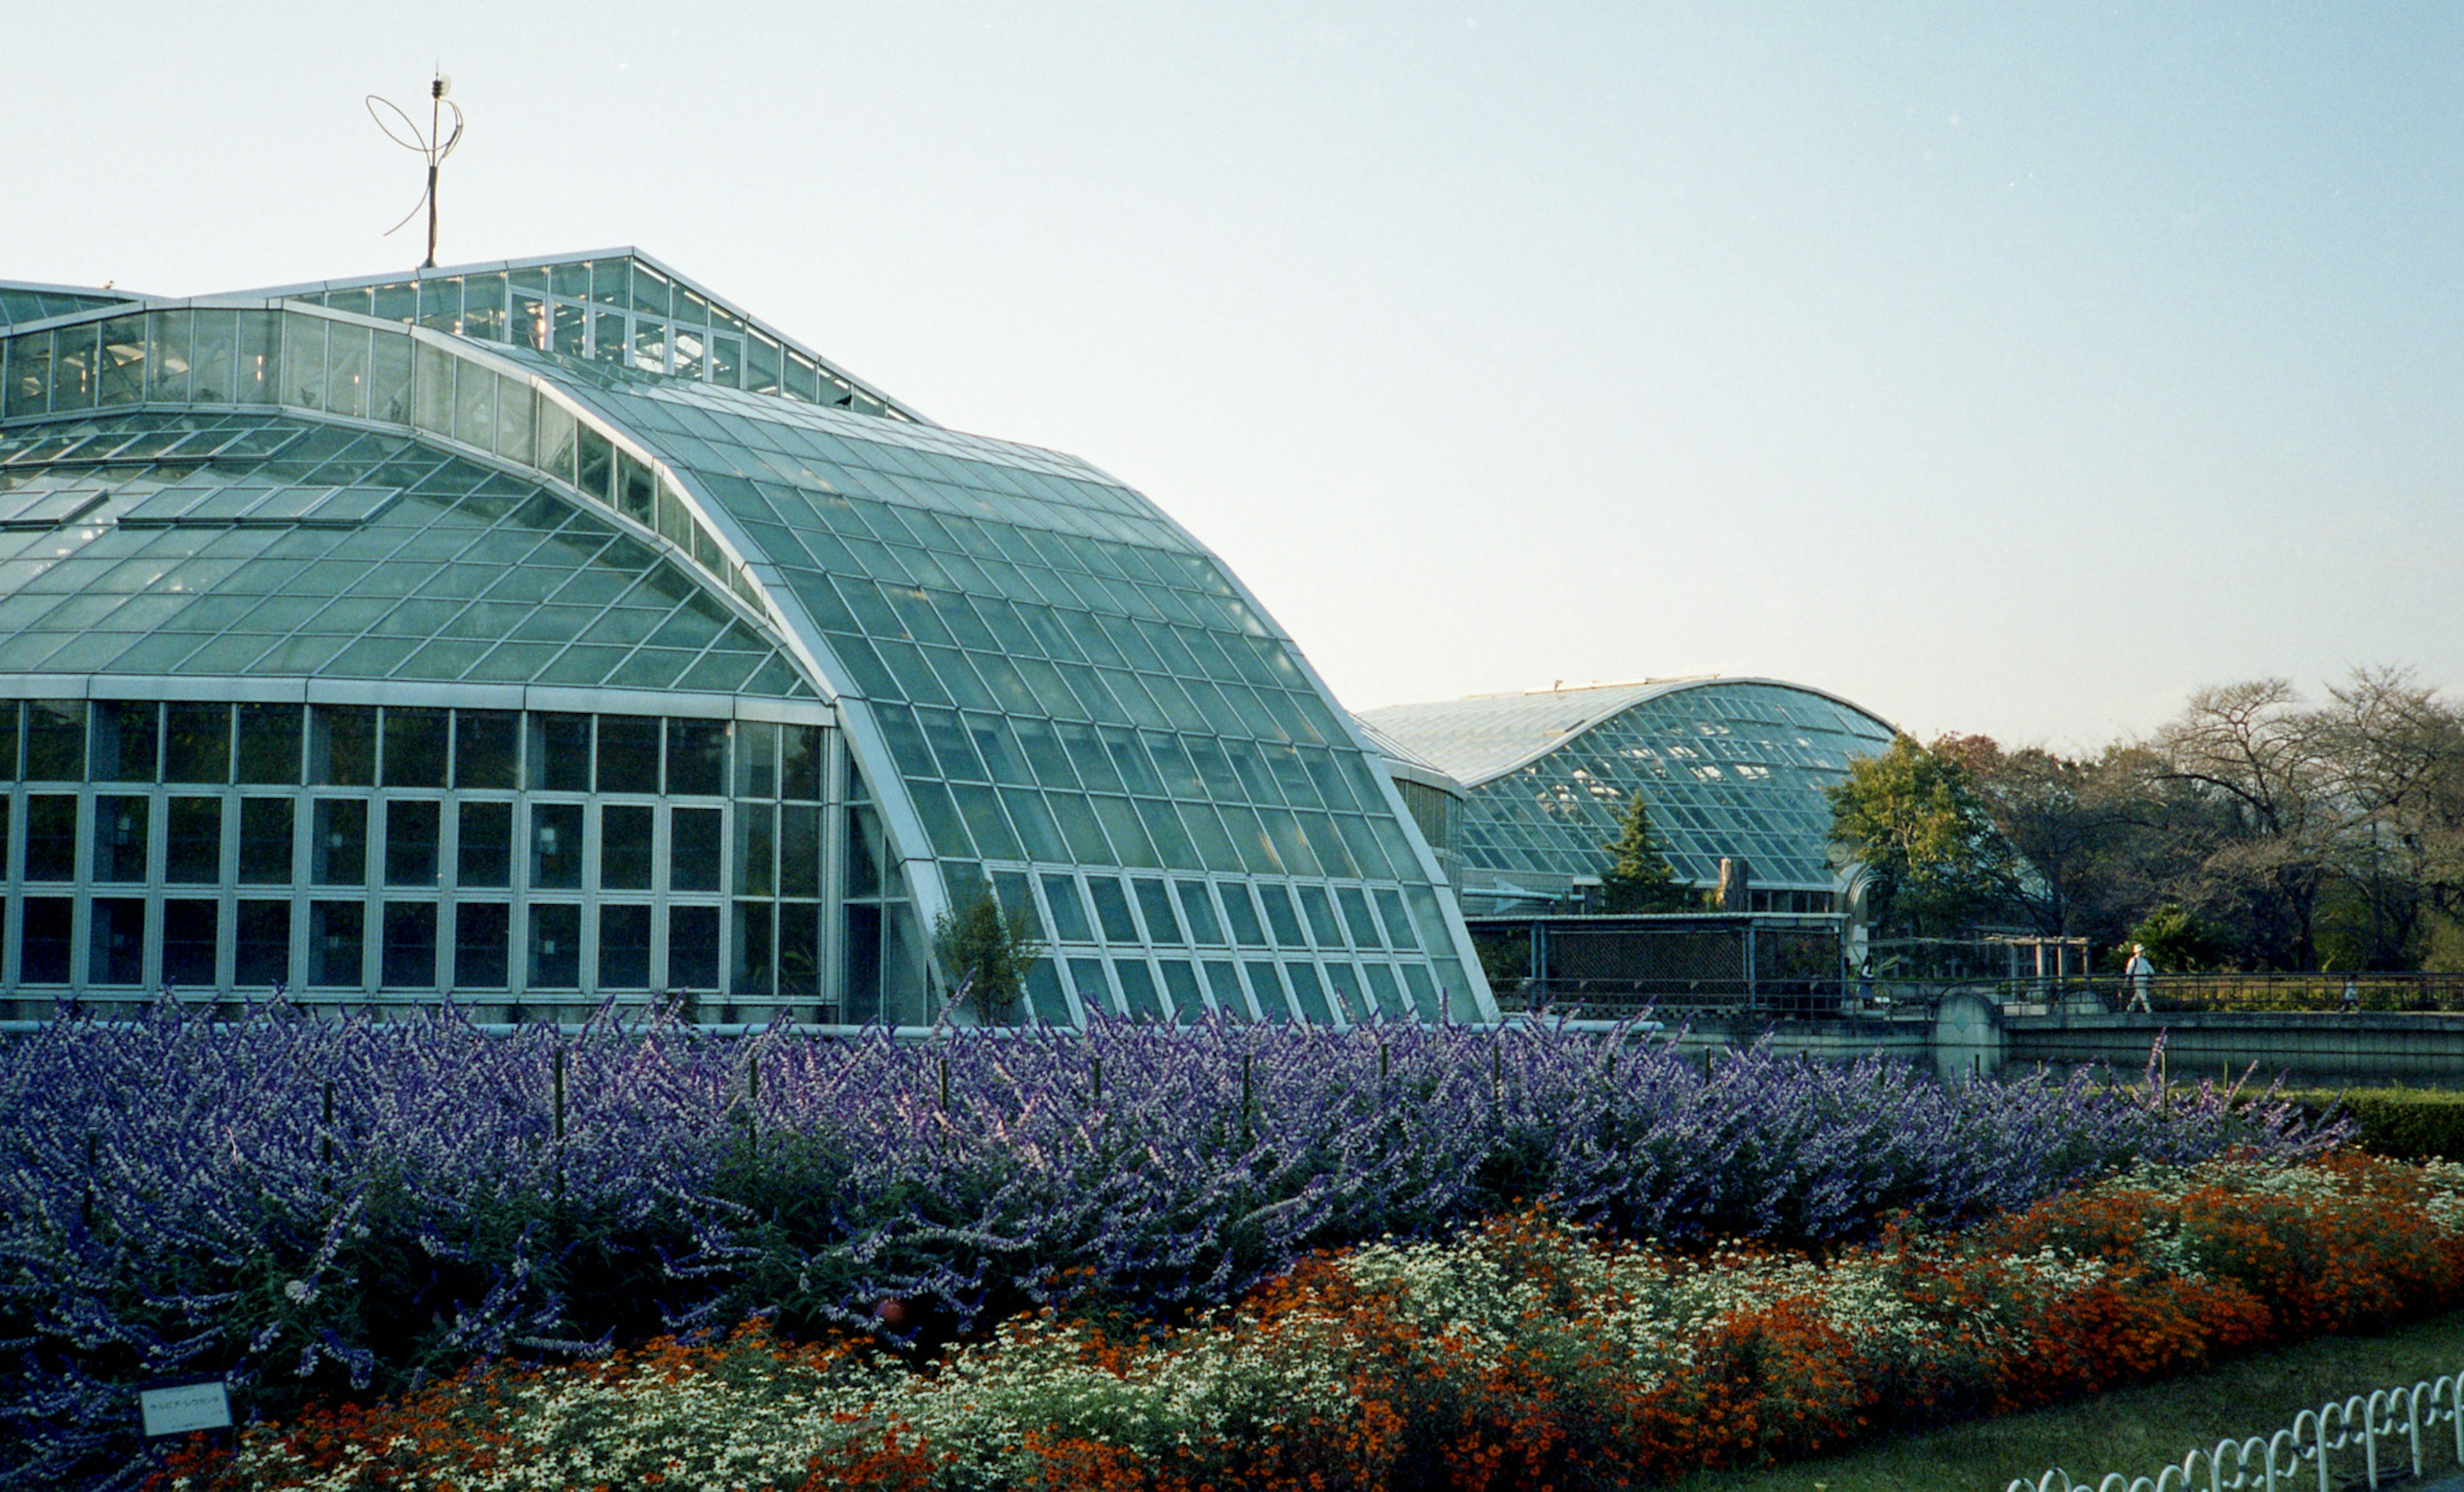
<point x="2135" y="1431"/>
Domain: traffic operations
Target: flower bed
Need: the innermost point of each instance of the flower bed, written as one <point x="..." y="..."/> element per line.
<point x="309" y="1207"/>
<point x="1525" y="1351"/>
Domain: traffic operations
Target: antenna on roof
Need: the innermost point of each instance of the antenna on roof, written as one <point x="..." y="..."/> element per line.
<point x="435" y="146"/>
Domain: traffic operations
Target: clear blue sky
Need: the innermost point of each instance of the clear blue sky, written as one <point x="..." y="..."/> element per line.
<point x="2003" y="369"/>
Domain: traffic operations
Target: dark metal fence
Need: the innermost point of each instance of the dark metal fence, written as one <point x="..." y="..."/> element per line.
<point x="2328" y="992"/>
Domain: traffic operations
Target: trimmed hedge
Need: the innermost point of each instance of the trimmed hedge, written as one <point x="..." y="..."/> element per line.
<point x="2401" y="1124"/>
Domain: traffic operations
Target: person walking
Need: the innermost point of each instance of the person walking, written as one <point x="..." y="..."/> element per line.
<point x="2138" y="971"/>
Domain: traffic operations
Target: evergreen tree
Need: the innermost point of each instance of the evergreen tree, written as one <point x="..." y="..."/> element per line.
<point x="1638" y="877"/>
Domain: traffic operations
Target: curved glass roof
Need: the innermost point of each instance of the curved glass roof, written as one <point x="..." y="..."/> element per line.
<point x="21" y="302"/>
<point x="156" y="543"/>
<point x="1729" y="767"/>
<point x="1037" y="670"/>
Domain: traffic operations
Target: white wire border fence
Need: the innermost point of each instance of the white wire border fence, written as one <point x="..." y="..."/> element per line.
<point x="2283" y="1460"/>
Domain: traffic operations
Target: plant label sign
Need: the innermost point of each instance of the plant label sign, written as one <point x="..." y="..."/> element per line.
<point x="177" y="1408"/>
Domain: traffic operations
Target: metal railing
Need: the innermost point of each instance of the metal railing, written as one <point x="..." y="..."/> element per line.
<point x="2328" y="992"/>
<point x="2387" y="1425"/>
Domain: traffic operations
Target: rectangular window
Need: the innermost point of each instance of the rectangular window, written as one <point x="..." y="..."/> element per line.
<point x="1356" y="916"/>
<point x="1199" y="910"/>
<point x="43" y="956"/>
<point x="338" y="851"/>
<point x="1280" y="916"/>
<point x="628" y="754"/>
<point x="9" y="713"/>
<point x="799" y="850"/>
<point x="863" y="964"/>
<point x="269" y="744"/>
<point x="1111" y="910"/>
<point x="800" y="949"/>
<point x="560" y="753"/>
<point x="191" y="944"/>
<point x="196" y="743"/>
<point x="756" y="835"/>
<point x="265" y="841"/>
<point x="119" y="839"/>
<point x="757" y="759"/>
<point x="696" y="758"/>
<point x="1094" y="991"/>
<point x="801" y="760"/>
<point x="1321" y="916"/>
<point x="486" y="749"/>
<point x="126" y="740"/>
<point x="409" y="956"/>
<point x="555" y="945"/>
<point x="481" y="938"/>
<point x="51" y="837"/>
<point x="754" y="974"/>
<point x="1242" y="914"/>
<point x="117" y="952"/>
<point x="623" y="948"/>
<point x="410" y="840"/>
<point x="343" y="746"/>
<point x="1070" y="923"/>
<point x="337" y="944"/>
<point x="692" y="947"/>
<point x="692" y="850"/>
<point x="415" y="744"/>
<point x="192" y="848"/>
<point x="55" y="740"/>
<point x="486" y="857"/>
<point x="1155" y="901"/>
<point x="262" y="949"/>
<point x="556" y="845"/>
<point x="625" y="848"/>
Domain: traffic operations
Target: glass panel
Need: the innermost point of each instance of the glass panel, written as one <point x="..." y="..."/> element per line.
<point x="692" y="946"/>
<point x="756" y="835"/>
<point x="44" y="955"/>
<point x="1155" y="901"/>
<point x="1070" y="923"/>
<point x="192" y="829"/>
<point x="487" y="750"/>
<point x="628" y="754"/>
<point x="1138" y="990"/>
<point x="486" y="855"/>
<point x="8" y="741"/>
<point x="1223" y="981"/>
<point x="1241" y="913"/>
<point x="265" y="843"/>
<point x="624" y="948"/>
<point x="481" y="939"/>
<point x="555" y="947"/>
<point x="556" y="845"/>
<point x="409" y="956"/>
<point x="119" y="839"/>
<point x="862" y="955"/>
<point x="1280" y="916"/>
<point x="269" y="743"/>
<point x="1310" y="992"/>
<point x="117" y="955"/>
<point x="1111" y="910"/>
<point x="337" y="852"/>
<point x="1321" y="916"/>
<point x="126" y="739"/>
<point x="415" y="746"/>
<point x="800" y="949"/>
<point x="262" y="948"/>
<point x="410" y="843"/>
<point x="1199" y="908"/>
<point x="1268" y="986"/>
<point x="1180" y="990"/>
<point x="51" y="837"/>
<point x="55" y="740"/>
<point x="757" y="759"/>
<point x="625" y="848"/>
<point x="560" y="753"/>
<point x="753" y="975"/>
<point x="800" y="849"/>
<point x="342" y="745"/>
<point x="694" y="847"/>
<point x="696" y="758"/>
<point x="1095" y="990"/>
<point x="196" y="743"/>
<point x="337" y="944"/>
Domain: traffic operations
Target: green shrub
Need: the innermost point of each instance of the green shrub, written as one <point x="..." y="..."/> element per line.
<point x="2401" y="1124"/>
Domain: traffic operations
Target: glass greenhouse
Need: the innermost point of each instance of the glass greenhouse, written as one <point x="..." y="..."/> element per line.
<point x="1727" y="768"/>
<point x="553" y="631"/>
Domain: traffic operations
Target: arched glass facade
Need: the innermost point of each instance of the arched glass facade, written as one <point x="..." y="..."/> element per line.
<point x="1727" y="768"/>
<point x="552" y="631"/>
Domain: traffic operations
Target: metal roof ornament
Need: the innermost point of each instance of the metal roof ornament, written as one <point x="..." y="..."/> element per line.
<point x="435" y="146"/>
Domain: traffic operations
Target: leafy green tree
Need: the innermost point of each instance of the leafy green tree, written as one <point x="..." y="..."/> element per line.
<point x="2176" y="941"/>
<point x="989" y="951"/>
<point x="1915" y="821"/>
<point x="1638" y="877"/>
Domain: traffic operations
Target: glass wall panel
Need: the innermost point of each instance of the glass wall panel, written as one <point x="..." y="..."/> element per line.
<point x="412" y="829"/>
<point x="625" y="858"/>
<point x="121" y="839"/>
<point x="485" y="855"/>
<point x="265" y="848"/>
<point x="1111" y="910"/>
<point x="754" y="974"/>
<point x="693" y="846"/>
<point x="49" y="939"/>
<point x="628" y="754"/>
<point x="9" y="733"/>
<point x="415" y="746"/>
<point x="800" y="949"/>
<point x="261" y="949"/>
<point x="698" y="758"/>
<point x="55" y="740"/>
<point x="51" y="837"/>
<point x="196" y="743"/>
<point x="342" y="745"/>
<point x="560" y="753"/>
<point x="126" y="740"/>
<point x="409" y="953"/>
<point x="800" y="849"/>
<point x="554" y="946"/>
<point x="338" y="851"/>
<point x="556" y="845"/>
<point x="801" y="762"/>
<point x="692" y="947"/>
<point x="116" y="954"/>
<point x="482" y="936"/>
<point x="269" y="743"/>
<point x="486" y="749"/>
<point x="624" y="947"/>
<point x="337" y="944"/>
<point x="192" y="851"/>
<point x="863" y="964"/>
